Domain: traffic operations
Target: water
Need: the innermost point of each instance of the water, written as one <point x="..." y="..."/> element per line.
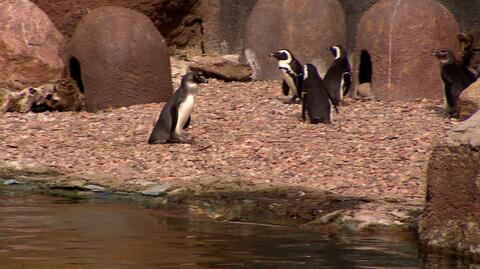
<point x="50" y="232"/>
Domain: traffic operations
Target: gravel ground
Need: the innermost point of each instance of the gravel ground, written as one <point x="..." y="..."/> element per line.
<point x="241" y="132"/>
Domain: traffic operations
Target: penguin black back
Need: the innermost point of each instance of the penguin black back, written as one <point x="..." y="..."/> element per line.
<point x="338" y="78"/>
<point x="454" y="79"/>
<point x="316" y="100"/>
<point x="292" y="71"/>
<point x="176" y="113"/>
<point x="470" y="53"/>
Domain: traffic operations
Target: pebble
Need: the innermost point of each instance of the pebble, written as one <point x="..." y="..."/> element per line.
<point x="242" y="131"/>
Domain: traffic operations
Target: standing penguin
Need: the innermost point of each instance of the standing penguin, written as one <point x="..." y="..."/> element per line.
<point x="316" y="100"/>
<point x="292" y="72"/>
<point x="175" y="115"/>
<point x="338" y="78"/>
<point x="454" y="79"/>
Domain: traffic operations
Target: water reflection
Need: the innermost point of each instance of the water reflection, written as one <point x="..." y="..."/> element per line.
<point x="46" y="232"/>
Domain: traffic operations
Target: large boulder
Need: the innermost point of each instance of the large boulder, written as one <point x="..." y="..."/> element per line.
<point x="306" y="27"/>
<point x="118" y="58"/>
<point x="30" y="46"/>
<point x="451" y="221"/>
<point x="395" y="39"/>
<point x="470" y="101"/>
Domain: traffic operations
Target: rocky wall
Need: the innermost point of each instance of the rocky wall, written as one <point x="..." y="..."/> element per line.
<point x="175" y="19"/>
<point x="223" y="24"/>
<point x="451" y="221"/>
<point x="194" y="25"/>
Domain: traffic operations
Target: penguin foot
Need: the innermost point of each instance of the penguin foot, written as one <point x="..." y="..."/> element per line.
<point x="453" y="115"/>
<point x="291" y="101"/>
<point x="178" y="139"/>
<point x="158" y="141"/>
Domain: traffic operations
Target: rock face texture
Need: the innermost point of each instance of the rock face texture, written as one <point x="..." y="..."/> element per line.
<point x="174" y="18"/>
<point x="193" y="25"/>
<point x="223" y="23"/>
<point x="451" y="222"/>
<point x="470" y="101"/>
<point x="306" y="27"/>
<point x="405" y="31"/>
<point x="30" y="46"/>
<point x="118" y="58"/>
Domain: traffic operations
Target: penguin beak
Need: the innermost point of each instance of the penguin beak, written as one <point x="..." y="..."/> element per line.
<point x="274" y="55"/>
<point x="441" y="55"/>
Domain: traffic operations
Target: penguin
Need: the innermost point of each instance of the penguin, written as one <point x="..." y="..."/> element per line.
<point x="316" y="100"/>
<point x="176" y="114"/>
<point x="292" y="71"/>
<point x="469" y="53"/>
<point x="454" y="79"/>
<point x="338" y="78"/>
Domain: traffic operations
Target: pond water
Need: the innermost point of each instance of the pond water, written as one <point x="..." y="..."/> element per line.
<point x="39" y="231"/>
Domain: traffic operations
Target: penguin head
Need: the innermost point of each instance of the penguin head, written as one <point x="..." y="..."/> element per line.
<point x="445" y="56"/>
<point x="337" y="51"/>
<point x="310" y="72"/>
<point x="282" y="55"/>
<point x="309" y="69"/>
<point x="193" y="77"/>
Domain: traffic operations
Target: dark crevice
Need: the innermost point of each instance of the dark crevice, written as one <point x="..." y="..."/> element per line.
<point x="198" y="22"/>
<point x="172" y="17"/>
<point x="365" y="68"/>
<point x="76" y="73"/>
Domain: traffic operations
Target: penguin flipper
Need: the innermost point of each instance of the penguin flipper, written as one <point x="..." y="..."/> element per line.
<point x="174" y="116"/>
<point x="187" y="123"/>
<point x="304" y="108"/>
<point x="161" y="131"/>
<point x="450" y="102"/>
<point x="299" y="84"/>
<point x="347" y="83"/>
<point x="334" y="103"/>
<point x="285" y="88"/>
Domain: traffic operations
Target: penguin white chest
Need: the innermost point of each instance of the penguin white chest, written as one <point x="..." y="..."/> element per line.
<point x="342" y="87"/>
<point x="291" y="84"/>
<point x="184" y="111"/>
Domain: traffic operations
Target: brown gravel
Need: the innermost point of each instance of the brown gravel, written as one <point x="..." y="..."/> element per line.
<point x="243" y="132"/>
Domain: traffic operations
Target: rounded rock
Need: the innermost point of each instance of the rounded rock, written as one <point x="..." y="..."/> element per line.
<point x="305" y="27"/>
<point x="30" y="43"/>
<point x="395" y="39"/>
<point x="118" y="58"/>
